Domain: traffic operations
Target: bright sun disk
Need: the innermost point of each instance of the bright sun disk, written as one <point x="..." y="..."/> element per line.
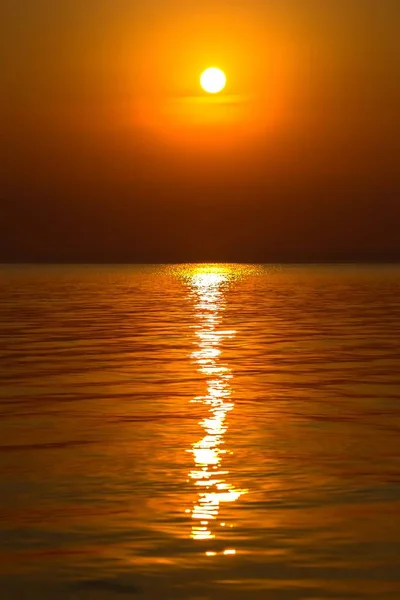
<point x="213" y="80"/>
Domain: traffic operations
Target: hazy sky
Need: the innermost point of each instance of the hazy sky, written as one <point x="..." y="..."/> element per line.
<point x="110" y="151"/>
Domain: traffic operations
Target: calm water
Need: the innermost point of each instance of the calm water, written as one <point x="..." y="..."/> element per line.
<point x="200" y="432"/>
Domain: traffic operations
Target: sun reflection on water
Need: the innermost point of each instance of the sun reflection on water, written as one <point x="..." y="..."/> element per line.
<point x="208" y="474"/>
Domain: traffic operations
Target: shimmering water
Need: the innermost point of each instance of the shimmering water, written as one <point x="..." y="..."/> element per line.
<point x="200" y="432"/>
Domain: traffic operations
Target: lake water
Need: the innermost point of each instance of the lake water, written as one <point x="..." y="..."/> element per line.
<point x="200" y="432"/>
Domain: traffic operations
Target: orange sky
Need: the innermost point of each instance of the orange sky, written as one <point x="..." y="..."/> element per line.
<point x="103" y="99"/>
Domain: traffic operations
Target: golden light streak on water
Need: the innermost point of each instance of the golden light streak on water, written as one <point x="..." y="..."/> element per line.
<point x="208" y="285"/>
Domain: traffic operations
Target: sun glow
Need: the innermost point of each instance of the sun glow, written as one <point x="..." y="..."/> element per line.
<point x="213" y="80"/>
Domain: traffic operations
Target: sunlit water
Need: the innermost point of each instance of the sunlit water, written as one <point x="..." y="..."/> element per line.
<point x="200" y="432"/>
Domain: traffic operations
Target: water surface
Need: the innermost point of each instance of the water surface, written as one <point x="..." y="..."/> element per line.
<point x="200" y="432"/>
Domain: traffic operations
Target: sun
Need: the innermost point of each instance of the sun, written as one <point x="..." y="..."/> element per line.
<point x="213" y="80"/>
